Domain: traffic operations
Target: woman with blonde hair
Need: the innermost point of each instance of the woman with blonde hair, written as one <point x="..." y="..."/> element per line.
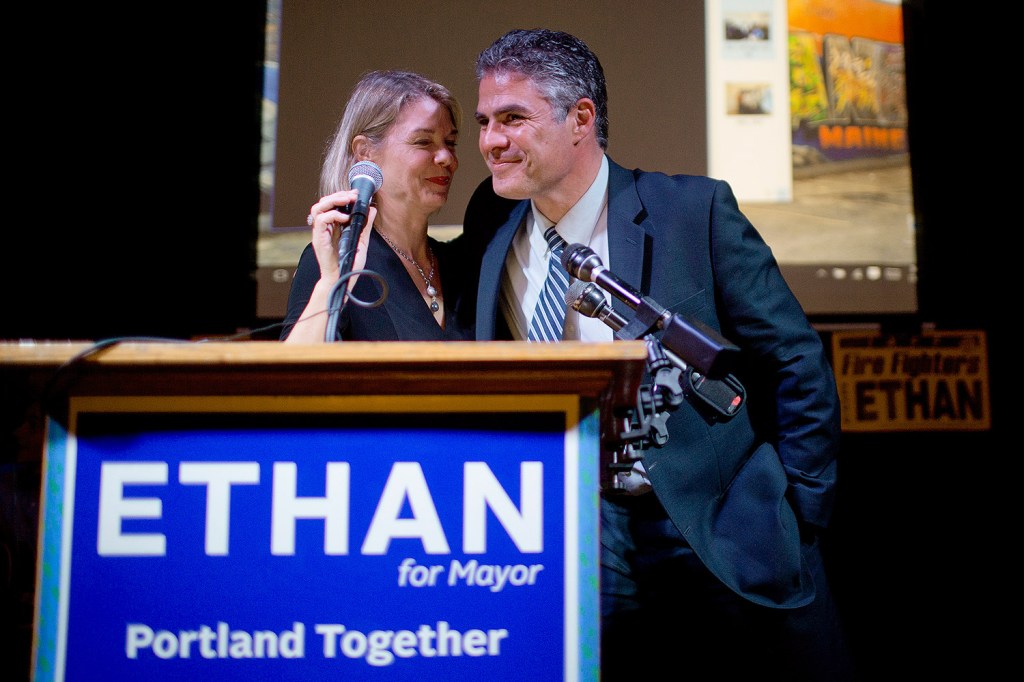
<point x="404" y="284"/>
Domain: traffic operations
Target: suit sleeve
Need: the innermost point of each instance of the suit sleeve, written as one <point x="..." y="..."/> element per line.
<point x="783" y="355"/>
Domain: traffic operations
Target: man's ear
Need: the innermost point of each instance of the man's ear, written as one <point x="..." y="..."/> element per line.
<point x="584" y="115"/>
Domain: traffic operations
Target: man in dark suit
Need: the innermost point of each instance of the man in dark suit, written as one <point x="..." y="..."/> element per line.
<point x="710" y="553"/>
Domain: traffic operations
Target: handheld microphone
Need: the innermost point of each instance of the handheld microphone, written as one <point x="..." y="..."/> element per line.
<point x="697" y="344"/>
<point x="365" y="177"/>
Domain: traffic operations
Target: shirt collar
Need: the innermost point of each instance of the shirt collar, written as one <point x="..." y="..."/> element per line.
<point x="577" y="226"/>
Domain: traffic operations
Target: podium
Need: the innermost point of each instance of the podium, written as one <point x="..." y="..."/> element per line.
<point x="364" y="511"/>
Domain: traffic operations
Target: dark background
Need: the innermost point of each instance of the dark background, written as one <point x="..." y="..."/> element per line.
<point x="126" y="128"/>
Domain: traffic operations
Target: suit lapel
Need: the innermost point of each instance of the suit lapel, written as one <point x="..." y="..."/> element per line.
<point x="626" y="235"/>
<point x="492" y="269"/>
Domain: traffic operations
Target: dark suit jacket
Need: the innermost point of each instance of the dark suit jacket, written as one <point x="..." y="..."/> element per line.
<point x="740" y="491"/>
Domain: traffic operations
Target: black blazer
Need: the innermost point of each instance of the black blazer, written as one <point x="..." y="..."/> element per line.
<point x="403" y="316"/>
<point x="741" y="491"/>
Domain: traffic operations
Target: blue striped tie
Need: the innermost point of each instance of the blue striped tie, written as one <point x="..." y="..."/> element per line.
<point x="549" y="315"/>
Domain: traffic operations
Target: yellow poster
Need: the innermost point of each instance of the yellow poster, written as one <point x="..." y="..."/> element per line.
<point x="932" y="381"/>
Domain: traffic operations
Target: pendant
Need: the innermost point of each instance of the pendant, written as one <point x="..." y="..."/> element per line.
<point x="431" y="291"/>
<point x="434" y="306"/>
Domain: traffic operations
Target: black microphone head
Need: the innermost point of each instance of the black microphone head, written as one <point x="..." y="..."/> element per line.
<point x="367" y="169"/>
<point x="586" y="298"/>
<point x="579" y="260"/>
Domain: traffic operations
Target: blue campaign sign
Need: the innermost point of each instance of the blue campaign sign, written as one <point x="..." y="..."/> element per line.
<point x="370" y="538"/>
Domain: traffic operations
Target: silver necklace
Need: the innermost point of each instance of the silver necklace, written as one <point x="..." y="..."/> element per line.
<point x="427" y="279"/>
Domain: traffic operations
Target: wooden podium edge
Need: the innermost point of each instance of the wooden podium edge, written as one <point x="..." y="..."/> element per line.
<point x="611" y="371"/>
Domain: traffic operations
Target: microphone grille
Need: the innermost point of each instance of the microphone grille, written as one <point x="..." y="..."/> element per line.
<point x="367" y="169"/>
<point x="574" y="292"/>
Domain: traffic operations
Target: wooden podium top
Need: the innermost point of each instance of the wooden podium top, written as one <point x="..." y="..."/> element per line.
<point x="611" y="372"/>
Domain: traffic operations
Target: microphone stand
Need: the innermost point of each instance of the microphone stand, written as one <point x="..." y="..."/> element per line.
<point x="673" y="383"/>
<point x="646" y="424"/>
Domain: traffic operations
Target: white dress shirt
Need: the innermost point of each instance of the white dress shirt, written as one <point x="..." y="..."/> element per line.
<point x="526" y="269"/>
<point x="526" y="266"/>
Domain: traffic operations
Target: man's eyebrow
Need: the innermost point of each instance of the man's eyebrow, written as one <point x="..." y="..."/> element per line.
<point x="507" y="108"/>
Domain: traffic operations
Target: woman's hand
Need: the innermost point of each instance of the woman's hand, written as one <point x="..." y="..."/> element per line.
<point x="328" y="219"/>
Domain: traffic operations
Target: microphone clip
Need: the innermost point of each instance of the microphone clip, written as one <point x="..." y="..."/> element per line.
<point x="649" y="316"/>
<point x="674" y="383"/>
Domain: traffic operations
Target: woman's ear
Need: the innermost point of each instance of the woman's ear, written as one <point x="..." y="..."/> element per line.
<point x="361" y="148"/>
